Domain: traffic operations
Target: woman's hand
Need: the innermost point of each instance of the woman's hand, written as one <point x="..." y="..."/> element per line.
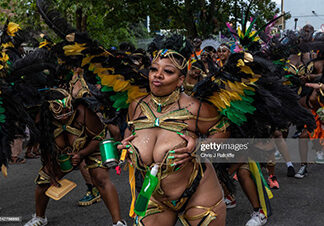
<point x="124" y="143"/>
<point x="183" y="155"/>
<point x="76" y="159"/>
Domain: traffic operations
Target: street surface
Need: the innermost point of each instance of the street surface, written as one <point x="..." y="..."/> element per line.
<point x="297" y="202"/>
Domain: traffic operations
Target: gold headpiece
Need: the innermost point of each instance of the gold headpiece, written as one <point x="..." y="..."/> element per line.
<point x="56" y="106"/>
<point x="171" y="55"/>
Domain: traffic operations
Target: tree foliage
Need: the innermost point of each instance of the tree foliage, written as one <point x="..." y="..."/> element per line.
<point x="113" y="21"/>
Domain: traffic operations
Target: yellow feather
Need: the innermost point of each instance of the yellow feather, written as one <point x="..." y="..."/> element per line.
<point x="43" y="44"/>
<point x="257" y="38"/>
<point x="253" y="80"/>
<point x="86" y="60"/>
<point x="4" y="170"/>
<point x="225" y="98"/>
<point x="239" y="32"/>
<point x="4" y="57"/>
<point x="92" y="66"/>
<point x="100" y="70"/>
<point x="6" y="45"/>
<point x="233" y="95"/>
<point x="240" y="63"/>
<point x="236" y="88"/>
<point x="247" y="70"/>
<point x="12" y="29"/>
<point x="217" y="101"/>
<point x="74" y="50"/>
<point x="135" y="92"/>
<point x="120" y="86"/>
<point x="252" y="33"/>
<point x="108" y="80"/>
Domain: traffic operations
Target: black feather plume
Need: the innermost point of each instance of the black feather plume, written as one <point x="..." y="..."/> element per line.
<point x="53" y="18"/>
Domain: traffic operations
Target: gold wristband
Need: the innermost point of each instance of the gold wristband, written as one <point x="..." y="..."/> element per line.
<point x="320" y="89"/>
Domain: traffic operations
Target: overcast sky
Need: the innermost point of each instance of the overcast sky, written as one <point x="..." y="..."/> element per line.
<point x="278" y="2"/>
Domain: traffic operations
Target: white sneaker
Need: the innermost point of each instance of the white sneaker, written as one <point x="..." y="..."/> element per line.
<point x="36" y="221"/>
<point x="319" y="157"/>
<point x="302" y="172"/>
<point x="230" y="202"/>
<point x="120" y="223"/>
<point x="278" y="155"/>
<point x="257" y="219"/>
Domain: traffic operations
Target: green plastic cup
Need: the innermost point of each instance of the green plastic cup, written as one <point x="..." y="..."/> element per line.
<point x="109" y="153"/>
<point x="65" y="163"/>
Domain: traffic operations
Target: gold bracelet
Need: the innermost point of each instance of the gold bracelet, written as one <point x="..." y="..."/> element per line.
<point x="320" y="89"/>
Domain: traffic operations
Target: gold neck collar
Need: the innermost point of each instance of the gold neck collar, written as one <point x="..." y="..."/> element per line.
<point x="160" y="102"/>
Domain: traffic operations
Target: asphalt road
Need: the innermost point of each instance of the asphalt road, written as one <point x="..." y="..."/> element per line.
<point x="297" y="202"/>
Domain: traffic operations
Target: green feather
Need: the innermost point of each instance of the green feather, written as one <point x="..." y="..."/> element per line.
<point x="2" y="118"/>
<point x="249" y="92"/>
<point x="119" y="100"/>
<point x="234" y="115"/>
<point x="243" y="106"/>
<point x="290" y="75"/>
<point x="2" y="110"/>
<point x="106" y="89"/>
<point x="279" y="62"/>
<point x="247" y="99"/>
<point x="250" y="28"/>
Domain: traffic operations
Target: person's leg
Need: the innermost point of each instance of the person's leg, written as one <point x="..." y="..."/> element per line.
<point x="41" y="200"/>
<point x="283" y="149"/>
<point x="16" y="149"/>
<point x="303" y="152"/>
<point x="43" y="182"/>
<point x="303" y="147"/>
<point x="282" y="145"/>
<point x="92" y="195"/>
<point x="272" y="179"/>
<point x="32" y="151"/>
<point x="159" y="215"/>
<point x="248" y="186"/>
<point x="85" y="173"/>
<point x="108" y="192"/>
<point x="206" y="205"/>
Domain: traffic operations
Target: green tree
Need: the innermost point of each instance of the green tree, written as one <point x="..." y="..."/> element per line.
<point x="106" y="21"/>
<point x="113" y="21"/>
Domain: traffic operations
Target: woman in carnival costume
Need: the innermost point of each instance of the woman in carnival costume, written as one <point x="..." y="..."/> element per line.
<point x="185" y="186"/>
<point x="70" y="128"/>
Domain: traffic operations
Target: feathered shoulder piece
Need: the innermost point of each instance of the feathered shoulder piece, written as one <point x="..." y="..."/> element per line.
<point x="250" y="95"/>
<point x="114" y="72"/>
<point x="231" y="89"/>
